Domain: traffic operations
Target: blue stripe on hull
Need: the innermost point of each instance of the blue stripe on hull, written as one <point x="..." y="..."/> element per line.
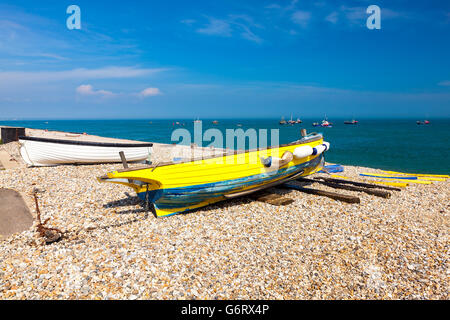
<point x="192" y="195"/>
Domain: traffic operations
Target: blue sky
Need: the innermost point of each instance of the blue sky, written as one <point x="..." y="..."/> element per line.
<point x="224" y="59"/>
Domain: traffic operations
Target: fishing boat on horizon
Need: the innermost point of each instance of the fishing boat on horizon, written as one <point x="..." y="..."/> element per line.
<point x="325" y="123"/>
<point x="215" y="122"/>
<point x="171" y="188"/>
<point x="353" y="121"/>
<point x="291" y="121"/>
<point x="39" y="152"/>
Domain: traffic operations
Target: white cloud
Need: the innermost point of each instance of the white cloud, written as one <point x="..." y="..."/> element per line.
<point x="216" y="27"/>
<point x="273" y="6"/>
<point x="189" y="22"/>
<point x="149" y="92"/>
<point x="234" y="23"/>
<point x="332" y="17"/>
<point x="301" y="17"/>
<point x="355" y="15"/>
<point x="88" y="90"/>
<point x="248" y="34"/>
<point x="8" y="77"/>
<point x="444" y="83"/>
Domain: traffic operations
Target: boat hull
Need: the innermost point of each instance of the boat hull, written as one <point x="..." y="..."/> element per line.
<point x="176" y="200"/>
<point x="51" y="153"/>
<point x="182" y="187"/>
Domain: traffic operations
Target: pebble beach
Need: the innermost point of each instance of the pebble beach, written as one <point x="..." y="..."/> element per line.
<point x="313" y="248"/>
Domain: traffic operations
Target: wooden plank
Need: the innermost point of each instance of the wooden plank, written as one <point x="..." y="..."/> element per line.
<point x="332" y="195"/>
<point x="124" y="160"/>
<point x="124" y="163"/>
<point x="371" y="191"/>
<point x="271" y="198"/>
<point x="359" y="184"/>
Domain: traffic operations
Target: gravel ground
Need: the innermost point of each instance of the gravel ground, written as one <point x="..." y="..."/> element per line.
<point x="314" y="248"/>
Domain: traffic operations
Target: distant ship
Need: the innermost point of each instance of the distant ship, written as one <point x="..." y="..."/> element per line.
<point x="282" y="121"/>
<point x="325" y="123"/>
<point x="353" y="121"/>
<point x="197" y="120"/>
<point x="423" y="122"/>
<point x="215" y="122"/>
<point x="291" y="121"/>
<point x="298" y="121"/>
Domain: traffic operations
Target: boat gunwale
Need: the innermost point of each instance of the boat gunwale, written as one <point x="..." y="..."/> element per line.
<point x="88" y="143"/>
<point x="228" y="153"/>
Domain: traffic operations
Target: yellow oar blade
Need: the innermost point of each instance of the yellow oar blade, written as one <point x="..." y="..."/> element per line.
<point x="408" y="181"/>
<point x="419" y="174"/>
<point x="386" y="183"/>
<point x="338" y="176"/>
<point x="399" y="177"/>
<point x="431" y="179"/>
<point x="392" y="184"/>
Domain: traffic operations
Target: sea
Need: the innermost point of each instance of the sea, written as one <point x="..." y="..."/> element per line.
<point x="389" y="144"/>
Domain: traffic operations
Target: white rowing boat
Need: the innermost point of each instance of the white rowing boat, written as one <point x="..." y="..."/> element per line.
<point x="50" y="152"/>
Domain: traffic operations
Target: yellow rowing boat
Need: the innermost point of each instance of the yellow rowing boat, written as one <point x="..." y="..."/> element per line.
<point x="178" y="187"/>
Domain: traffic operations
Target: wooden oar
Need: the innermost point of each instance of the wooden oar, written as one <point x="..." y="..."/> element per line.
<point x="386" y="183"/>
<point x="371" y="191"/>
<point x="355" y="183"/>
<point x="333" y="195"/>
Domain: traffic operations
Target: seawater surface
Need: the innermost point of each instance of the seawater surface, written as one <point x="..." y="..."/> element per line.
<point x="399" y="145"/>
